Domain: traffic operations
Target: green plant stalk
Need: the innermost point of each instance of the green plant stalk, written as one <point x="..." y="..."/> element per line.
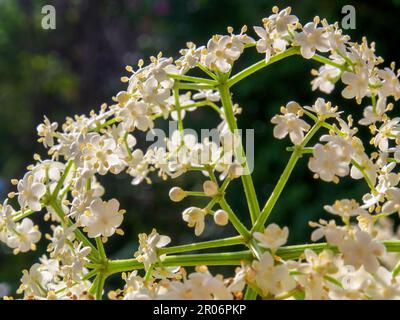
<point x="247" y="180"/>
<point x="62" y="179"/>
<point x="97" y="286"/>
<point x="192" y="79"/>
<point x="19" y="216"/>
<point x="189" y="260"/>
<point x="230" y="258"/>
<point x="178" y="108"/>
<point x="396" y="269"/>
<point x="259" y="225"/>
<point x="262" y="64"/>
<point x="206" y="71"/>
<point x="203" y="245"/>
<point x="250" y="294"/>
<point x="194" y="86"/>
<point x="234" y="219"/>
<point x="100" y="249"/>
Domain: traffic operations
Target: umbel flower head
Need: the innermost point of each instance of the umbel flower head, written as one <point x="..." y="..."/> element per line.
<point x="357" y="256"/>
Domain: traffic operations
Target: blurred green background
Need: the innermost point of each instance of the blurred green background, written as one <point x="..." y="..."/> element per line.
<point x="76" y="67"/>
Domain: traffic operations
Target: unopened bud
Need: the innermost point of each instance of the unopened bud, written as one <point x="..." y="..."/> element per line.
<point x="210" y="188"/>
<point x="221" y="218"/>
<point x="235" y="171"/>
<point x="176" y="194"/>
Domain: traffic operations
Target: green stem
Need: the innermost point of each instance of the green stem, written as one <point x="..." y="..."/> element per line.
<point x="203" y="245"/>
<point x="20" y="215"/>
<point x="250" y="294"/>
<point x="325" y="60"/>
<point x="62" y="179"/>
<point x="364" y="174"/>
<point x="189" y="260"/>
<point x="206" y="71"/>
<point x="194" y="86"/>
<point x="230" y="258"/>
<point x="192" y="79"/>
<point x="98" y="285"/>
<point x="258" y="226"/>
<point x="104" y="125"/>
<point x="100" y="248"/>
<point x="178" y="108"/>
<point x="234" y="219"/>
<point x="247" y="180"/>
<point x="260" y="65"/>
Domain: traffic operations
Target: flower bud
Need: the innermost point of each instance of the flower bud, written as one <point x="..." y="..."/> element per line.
<point x="221" y="218"/>
<point x="176" y="194"/>
<point x="210" y="188"/>
<point x="235" y="171"/>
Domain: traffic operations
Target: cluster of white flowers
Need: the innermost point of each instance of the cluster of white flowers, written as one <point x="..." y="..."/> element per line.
<point x="359" y="259"/>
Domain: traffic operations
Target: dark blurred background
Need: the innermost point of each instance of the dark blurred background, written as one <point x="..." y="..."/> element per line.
<point x="76" y="67"/>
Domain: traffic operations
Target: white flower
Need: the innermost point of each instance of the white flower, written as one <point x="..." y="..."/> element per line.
<point x="100" y="154"/>
<point x="322" y="263"/>
<point x="30" y="192"/>
<point x="148" y="246"/>
<point x="273" y="237"/>
<point x="311" y="39"/>
<point x="324" y="109"/>
<point x="153" y="92"/>
<point x="357" y="84"/>
<point x="390" y="86"/>
<point x="34" y="281"/>
<point x="333" y="233"/>
<point x="327" y="163"/>
<point x="290" y="123"/>
<point x="393" y="202"/>
<point x="372" y="115"/>
<point x="210" y="95"/>
<point x="46" y="131"/>
<point x="223" y="51"/>
<point x="386" y="287"/>
<point x="362" y="251"/>
<point x="345" y="208"/>
<point x="135" y="114"/>
<point x="6" y="220"/>
<point x="195" y="218"/>
<point x="270" y="43"/>
<point x="388" y="131"/>
<point x="271" y="278"/>
<point x="325" y="78"/>
<point x="282" y="21"/>
<point x="354" y="283"/>
<point x="25" y="236"/>
<point x="190" y="56"/>
<point x="102" y="218"/>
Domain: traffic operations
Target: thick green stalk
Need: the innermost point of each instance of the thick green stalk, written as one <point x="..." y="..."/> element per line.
<point x="230" y="258"/>
<point x="203" y="245"/>
<point x="261" y="64"/>
<point x="259" y="225"/>
<point x="189" y="260"/>
<point x="98" y="285"/>
<point x="247" y="180"/>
